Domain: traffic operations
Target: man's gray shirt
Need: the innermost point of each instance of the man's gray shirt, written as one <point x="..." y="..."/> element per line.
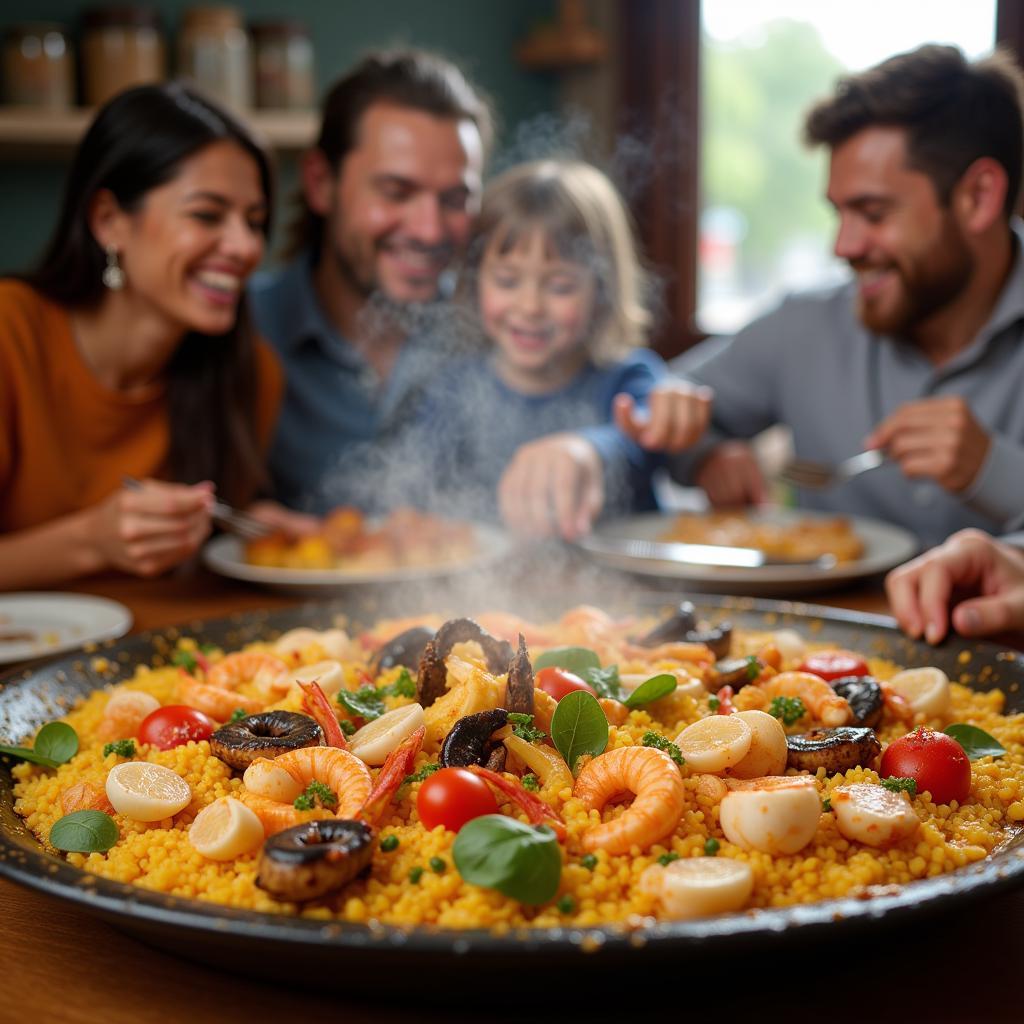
<point x="811" y="365"/>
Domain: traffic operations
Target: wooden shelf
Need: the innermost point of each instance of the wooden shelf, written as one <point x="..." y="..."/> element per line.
<point x="26" y="131"/>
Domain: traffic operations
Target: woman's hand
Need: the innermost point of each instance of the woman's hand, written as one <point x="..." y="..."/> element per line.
<point x="151" y="529"/>
<point x="677" y="414"/>
<point x="731" y="476"/>
<point x="553" y="487"/>
<point x="921" y="592"/>
<point x="287" y="521"/>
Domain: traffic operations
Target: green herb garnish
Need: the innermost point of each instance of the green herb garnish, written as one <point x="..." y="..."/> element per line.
<point x="348" y="727"/>
<point x="415" y="874"/>
<point x="84" y="832"/>
<point x="589" y="861"/>
<point x="566" y="905"/>
<point x="56" y="743"/>
<point x="316" y="794"/>
<point x="123" y="748"/>
<point x="530" y="782"/>
<point x="368" y="701"/>
<point x="421" y="774"/>
<point x="389" y="843"/>
<point x="789" y="709"/>
<point x="714" y="703"/>
<point x="711" y="846"/>
<point x="826" y="805"/>
<point x="976" y="742"/>
<point x="754" y="668"/>
<point x="585" y="663"/>
<point x="579" y="727"/>
<point x="520" y="861"/>
<point x="237" y="715"/>
<point x="522" y="726"/>
<point x="437" y="865"/>
<point x="403" y="686"/>
<point x="651" y="690"/>
<point x="666" y="858"/>
<point x="652" y="739"/>
<point x="185" y="660"/>
<point x="896" y="785"/>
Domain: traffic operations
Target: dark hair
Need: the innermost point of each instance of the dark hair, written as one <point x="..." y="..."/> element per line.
<point x="136" y="143"/>
<point x="414" y="79"/>
<point x="954" y="112"/>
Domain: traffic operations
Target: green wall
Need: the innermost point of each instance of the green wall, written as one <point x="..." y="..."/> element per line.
<point x="480" y="34"/>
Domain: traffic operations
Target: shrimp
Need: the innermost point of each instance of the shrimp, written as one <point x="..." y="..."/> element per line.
<point x="84" y="796"/>
<point x="218" y="695"/>
<point x="124" y="713"/>
<point x="820" y="699"/>
<point x="653" y="776"/>
<point x="271" y="785"/>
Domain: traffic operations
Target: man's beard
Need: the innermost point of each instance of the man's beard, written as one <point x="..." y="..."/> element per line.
<point x="928" y="286"/>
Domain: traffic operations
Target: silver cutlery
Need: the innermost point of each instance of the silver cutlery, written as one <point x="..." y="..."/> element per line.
<point x="697" y="554"/>
<point x="819" y="475"/>
<point x="241" y="524"/>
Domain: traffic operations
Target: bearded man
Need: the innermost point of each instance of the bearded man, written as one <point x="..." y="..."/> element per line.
<point x="921" y="353"/>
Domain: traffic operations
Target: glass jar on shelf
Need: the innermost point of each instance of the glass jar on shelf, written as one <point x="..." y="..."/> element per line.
<point x="39" y="68"/>
<point x="283" y="61"/>
<point x="213" y="54"/>
<point x="121" y="47"/>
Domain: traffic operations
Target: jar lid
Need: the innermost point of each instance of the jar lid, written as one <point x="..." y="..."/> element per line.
<point x="212" y="17"/>
<point x="125" y="16"/>
<point x="279" y="27"/>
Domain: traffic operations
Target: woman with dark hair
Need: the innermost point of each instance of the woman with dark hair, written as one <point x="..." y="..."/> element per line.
<point x="128" y="351"/>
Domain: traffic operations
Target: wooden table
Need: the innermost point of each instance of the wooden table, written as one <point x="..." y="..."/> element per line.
<point x="61" y="964"/>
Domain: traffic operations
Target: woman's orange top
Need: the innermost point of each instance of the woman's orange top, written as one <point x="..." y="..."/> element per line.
<point x="66" y="440"/>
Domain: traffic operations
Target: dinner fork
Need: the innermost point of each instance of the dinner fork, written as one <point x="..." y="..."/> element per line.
<point x="241" y="524"/>
<point x="819" y="475"/>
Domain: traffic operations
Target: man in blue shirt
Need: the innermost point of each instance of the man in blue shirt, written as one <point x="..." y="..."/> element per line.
<point x="389" y="196"/>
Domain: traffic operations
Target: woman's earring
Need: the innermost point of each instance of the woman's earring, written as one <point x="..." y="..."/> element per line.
<point x="113" y="275"/>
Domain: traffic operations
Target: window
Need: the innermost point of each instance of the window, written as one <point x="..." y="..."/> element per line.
<point x="763" y="225"/>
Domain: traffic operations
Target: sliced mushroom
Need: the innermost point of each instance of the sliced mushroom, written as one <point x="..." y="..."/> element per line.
<point x="835" y="750"/>
<point x="405" y="649"/>
<point x="864" y="695"/>
<point x="469" y="741"/>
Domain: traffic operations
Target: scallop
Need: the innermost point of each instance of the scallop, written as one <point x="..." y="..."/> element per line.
<point x="874" y="815"/>
<point x="774" y="815"/>
<point x="699" y="886"/>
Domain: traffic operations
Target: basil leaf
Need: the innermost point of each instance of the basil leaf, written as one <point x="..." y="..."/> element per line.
<point x="605" y="681"/>
<point x="519" y="860"/>
<point x="84" y="832"/>
<point x="57" y="741"/>
<point x="976" y="742"/>
<point x="574" y="659"/>
<point x="652" y="689"/>
<point x="28" y="754"/>
<point x="578" y="726"/>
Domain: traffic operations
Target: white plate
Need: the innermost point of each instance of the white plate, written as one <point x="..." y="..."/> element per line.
<point x="226" y="555"/>
<point x="56" y="622"/>
<point x="885" y="546"/>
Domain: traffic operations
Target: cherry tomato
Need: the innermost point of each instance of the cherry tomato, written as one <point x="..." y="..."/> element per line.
<point x="559" y="681"/>
<point x="175" y="724"/>
<point x="831" y="665"/>
<point x="935" y="761"/>
<point x="453" y="796"/>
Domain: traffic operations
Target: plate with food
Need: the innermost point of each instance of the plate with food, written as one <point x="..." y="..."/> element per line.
<point x="769" y="552"/>
<point x="38" y="624"/>
<point x="584" y="791"/>
<point x="351" y="549"/>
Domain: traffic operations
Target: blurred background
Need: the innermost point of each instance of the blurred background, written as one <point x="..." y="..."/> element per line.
<point x="694" y="106"/>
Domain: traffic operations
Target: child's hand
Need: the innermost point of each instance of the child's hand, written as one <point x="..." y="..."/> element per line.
<point x="553" y="487"/>
<point x="731" y="476"/>
<point x="677" y="414"/>
<point x="922" y="592"/>
<point x="151" y="529"/>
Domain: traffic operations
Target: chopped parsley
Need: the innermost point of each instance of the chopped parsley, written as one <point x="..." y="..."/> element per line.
<point x="437" y="865"/>
<point x="403" y="686"/>
<point x="522" y="726"/>
<point x="421" y="774"/>
<point x="605" y="681"/>
<point x="123" y="748"/>
<point x="652" y="739"/>
<point x="826" y="805"/>
<point x="368" y="701"/>
<point x="185" y="660"/>
<point x="389" y="843"/>
<point x="714" y="703"/>
<point x="348" y="727"/>
<point x="897" y="785"/>
<point x="415" y="874"/>
<point x="589" y="861"/>
<point x="753" y="668"/>
<point x="316" y="794"/>
<point x="530" y="782"/>
<point x="237" y="715"/>
<point x="566" y="905"/>
<point x="789" y="709"/>
<point x="666" y="858"/>
<point x="711" y="846"/>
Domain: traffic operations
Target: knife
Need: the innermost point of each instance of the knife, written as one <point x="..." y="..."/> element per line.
<point x="697" y="554"/>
